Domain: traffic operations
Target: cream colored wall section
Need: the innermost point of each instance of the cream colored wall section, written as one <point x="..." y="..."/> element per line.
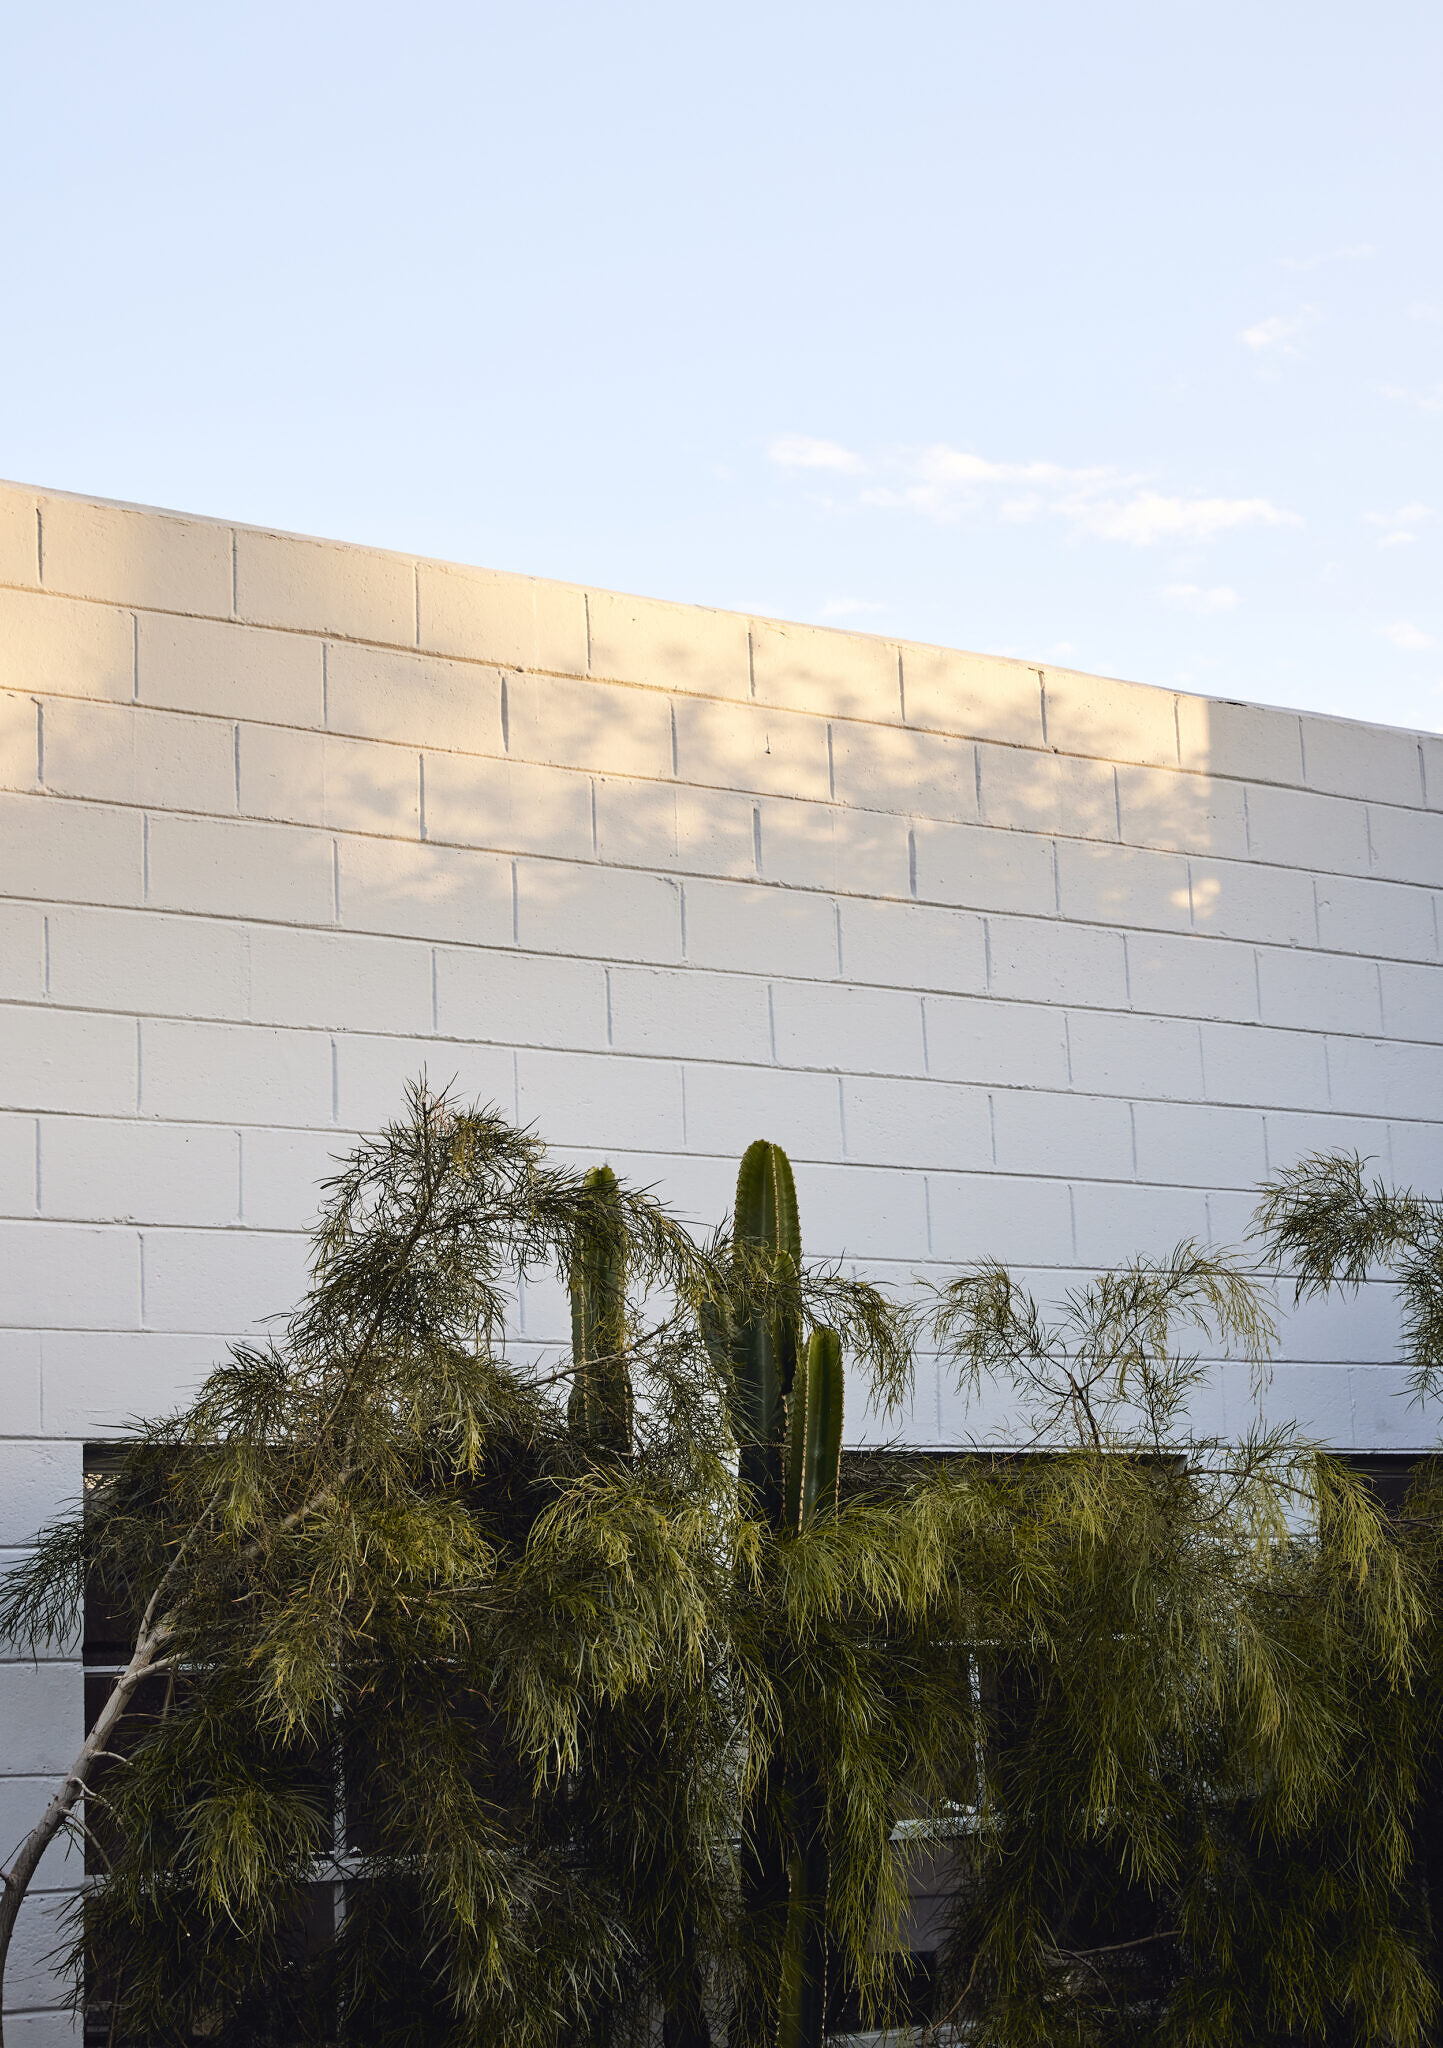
<point x="1013" y="961"/>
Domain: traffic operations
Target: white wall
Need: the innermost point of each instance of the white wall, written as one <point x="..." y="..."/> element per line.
<point x="1012" y="961"/>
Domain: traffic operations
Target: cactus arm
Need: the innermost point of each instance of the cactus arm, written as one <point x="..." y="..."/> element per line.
<point x="600" y="1407"/>
<point x="814" y="1430"/>
<point x="765" y="1340"/>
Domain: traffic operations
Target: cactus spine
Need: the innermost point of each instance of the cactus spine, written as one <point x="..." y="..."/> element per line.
<point x="600" y="1408"/>
<point x="787" y="1417"/>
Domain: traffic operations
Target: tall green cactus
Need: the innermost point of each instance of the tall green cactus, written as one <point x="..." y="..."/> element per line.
<point x="787" y="1416"/>
<point x="600" y="1408"/>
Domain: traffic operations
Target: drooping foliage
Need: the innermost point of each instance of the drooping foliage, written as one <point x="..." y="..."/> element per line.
<point x="480" y="1695"/>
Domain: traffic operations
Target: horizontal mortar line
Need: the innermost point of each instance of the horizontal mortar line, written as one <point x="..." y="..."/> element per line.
<point x="1051" y="920"/>
<point x="750" y="704"/>
<point x="423" y="1037"/>
<point x="830" y="805"/>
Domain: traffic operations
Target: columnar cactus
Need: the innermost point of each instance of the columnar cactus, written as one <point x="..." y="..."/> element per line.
<point x="600" y="1407"/>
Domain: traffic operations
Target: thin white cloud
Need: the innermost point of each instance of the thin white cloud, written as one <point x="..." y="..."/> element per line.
<point x="1426" y="401"/>
<point x="1280" y="332"/>
<point x="1098" y="502"/>
<point x="804" y="451"/>
<point x="847" y="608"/>
<point x="1356" y="252"/>
<point x="1408" y="638"/>
<point x="1400" y="527"/>
<point x="1194" y="597"/>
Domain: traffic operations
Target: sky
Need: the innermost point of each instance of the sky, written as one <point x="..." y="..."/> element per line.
<point x="1105" y="335"/>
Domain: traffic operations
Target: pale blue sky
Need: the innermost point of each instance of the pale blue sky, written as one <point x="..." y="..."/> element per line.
<point x="1110" y="334"/>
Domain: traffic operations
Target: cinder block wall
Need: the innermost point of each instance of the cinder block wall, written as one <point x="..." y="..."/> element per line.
<point x="1012" y="960"/>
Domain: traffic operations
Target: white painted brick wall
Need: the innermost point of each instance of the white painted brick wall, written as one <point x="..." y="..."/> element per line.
<point x="1015" y="962"/>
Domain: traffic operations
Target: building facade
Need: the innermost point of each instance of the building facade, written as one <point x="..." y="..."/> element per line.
<point x="1014" y="961"/>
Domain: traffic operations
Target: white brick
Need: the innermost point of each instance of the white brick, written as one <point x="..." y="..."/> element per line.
<point x="1181" y="813"/>
<point x="67" y="1059"/>
<point x="1237" y="900"/>
<point x="974" y="1038"/>
<point x="674" y="826"/>
<point x="137" y="1172"/>
<point x="849" y="1211"/>
<point x="17" y="1166"/>
<point x="1115" y="1224"/>
<point x="374" y="693"/>
<point x="817" y="846"/>
<point x="240" y="1279"/>
<point x="20" y="1374"/>
<point x="1258" y="1068"/>
<point x="602" y="1100"/>
<point x="1430" y="765"/>
<point x="746" y="746"/>
<point x="1384" y="1416"/>
<point x="22" y="1801"/>
<point x="1249" y="740"/>
<point x="1351" y="759"/>
<point x="1376" y="919"/>
<point x="1316" y="991"/>
<point x="1372" y="1079"/>
<point x="857" y="1030"/>
<point x="514" y="806"/>
<point x="281" y="580"/>
<point x="759" y="930"/>
<point x="42" y="1713"/>
<point x="514" y="621"/>
<point x="281" y="1173"/>
<point x="19" y="537"/>
<point x="977" y="694"/>
<point x="38" y="1482"/>
<point x="68" y="1277"/>
<point x="97" y="1383"/>
<point x="1040" y="960"/>
<point x="686" y="1014"/>
<point x="317" y="779"/>
<point x="993" y="1216"/>
<point x="22" y="952"/>
<point x="981" y="869"/>
<point x="234" y="1073"/>
<point x="1407" y="846"/>
<point x="1198" y="1145"/>
<point x="60" y="850"/>
<point x="1191" y="976"/>
<point x="1121" y="885"/>
<point x="1035" y="791"/>
<point x="913" y="945"/>
<point x="1061" y="1135"/>
<point x="1343" y="1329"/>
<point x="815" y="668"/>
<point x="146" y="961"/>
<point x="425" y="892"/>
<point x="606" y="913"/>
<point x="1412" y="1000"/>
<point x="1298" y="829"/>
<point x="1109" y="720"/>
<point x="603" y="728"/>
<point x="512" y="998"/>
<point x="239" y="869"/>
<point x="372" y="1075"/>
<point x="50" y="647"/>
<point x="726" y="1107"/>
<point x="669" y="646"/>
<point x="127" y="556"/>
<point x="1414" y="1156"/>
<point x="1290" y="1135"/>
<point x="32" y="1981"/>
<point x="19" y="741"/>
<point x="915" y="1123"/>
<point x="921" y="774"/>
<point x="340" y="982"/>
<point x="125" y="754"/>
<point x="235" y="671"/>
<point x="1119" y="1053"/>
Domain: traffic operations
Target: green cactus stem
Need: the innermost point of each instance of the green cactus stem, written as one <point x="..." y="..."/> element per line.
<point x="814" y="1430"/>
<point x="600" y="1408"/>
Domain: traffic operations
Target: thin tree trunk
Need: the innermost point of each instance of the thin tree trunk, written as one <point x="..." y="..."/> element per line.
<point x="144" y="1660"/>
